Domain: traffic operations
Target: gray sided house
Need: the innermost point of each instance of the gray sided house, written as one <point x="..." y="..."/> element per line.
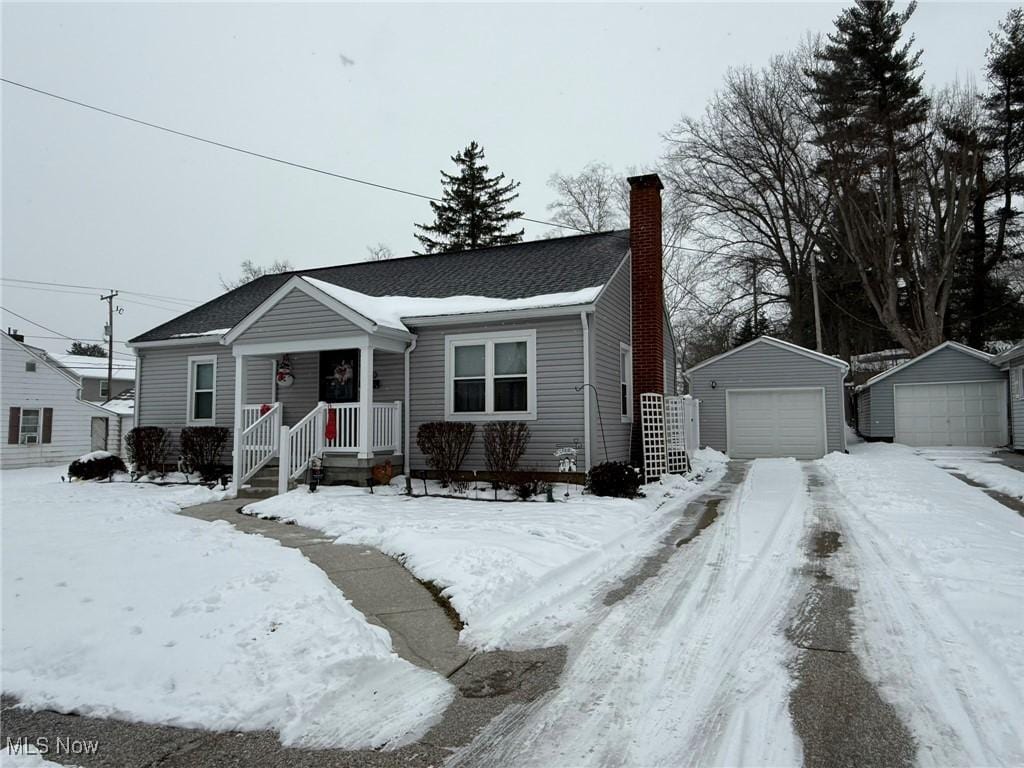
<point x="1012" y="363"/>
<point x="951" y="395"/>
<point x="346" y="363"/>
<point x="771" y="398"/>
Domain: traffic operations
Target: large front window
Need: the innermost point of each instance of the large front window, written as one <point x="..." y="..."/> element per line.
<point x="491" y="376"/>
<point x="202" y="395"/>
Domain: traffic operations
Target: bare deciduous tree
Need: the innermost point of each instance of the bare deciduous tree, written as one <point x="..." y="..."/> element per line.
<point x="379" y="252"/>
<point x="251" y="271"/>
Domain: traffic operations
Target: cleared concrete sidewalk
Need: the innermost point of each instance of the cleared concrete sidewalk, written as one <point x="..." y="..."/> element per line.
<point x="377" y="585"/>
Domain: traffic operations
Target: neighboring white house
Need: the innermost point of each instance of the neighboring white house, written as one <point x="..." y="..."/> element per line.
<point x="47" y="422"/>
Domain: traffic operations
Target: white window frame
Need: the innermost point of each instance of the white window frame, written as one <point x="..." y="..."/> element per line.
<point x="488" y="340"/>
<point x="193" y="361"/>
<point x="38" y="434"/>
<point x="625" y="377"/>
<point x="104" y="395"/>
<point x="1017" y="382"/>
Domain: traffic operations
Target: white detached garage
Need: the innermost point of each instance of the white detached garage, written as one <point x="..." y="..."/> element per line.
<point x="771" y="398"/>
<point x="950" y="395"/>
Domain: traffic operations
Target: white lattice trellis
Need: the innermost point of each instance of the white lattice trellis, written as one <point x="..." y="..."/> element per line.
<point x="652" y="422"/>
<point x="675" y="434"/>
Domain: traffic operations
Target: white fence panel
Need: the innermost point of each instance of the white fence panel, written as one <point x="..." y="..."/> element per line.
<point x="652" y="422"/>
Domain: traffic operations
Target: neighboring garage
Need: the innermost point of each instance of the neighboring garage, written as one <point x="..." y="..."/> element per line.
<point x="771" y="398"/>
<point x="950" y="395"/>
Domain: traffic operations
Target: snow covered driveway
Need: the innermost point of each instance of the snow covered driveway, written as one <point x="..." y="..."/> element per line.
<point x="938" y="569"/>
<point x="116" y="606"/>
<point x="691" y="668"/>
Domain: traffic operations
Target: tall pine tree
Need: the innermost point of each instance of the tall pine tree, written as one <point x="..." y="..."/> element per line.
<point x="474" y="209"/>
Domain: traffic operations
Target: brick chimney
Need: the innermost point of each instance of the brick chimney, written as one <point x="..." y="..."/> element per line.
<point x="648" y="295"/>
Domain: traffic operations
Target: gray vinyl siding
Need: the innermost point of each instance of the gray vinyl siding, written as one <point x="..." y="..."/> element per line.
<point x="1017" y="413"/>
<point x="163" y="397"/>
<point x="559" y="370"/>
<point x="670" y="361"/>
<point x="610" y="326"/>
<point x="91" y="388"/>
<point x="946" y="365"/>
<point x="297" y="316"/>
<point x="864" y="413"/>
<point x="764" y="366"/>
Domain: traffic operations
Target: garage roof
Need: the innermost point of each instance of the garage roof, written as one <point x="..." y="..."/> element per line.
<point x="786" y="345"/>
<point x="907" y="363"/>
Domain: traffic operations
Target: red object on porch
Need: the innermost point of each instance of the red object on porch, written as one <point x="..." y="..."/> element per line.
<point x="264" y="409"/>
<point x="331" y="431"/>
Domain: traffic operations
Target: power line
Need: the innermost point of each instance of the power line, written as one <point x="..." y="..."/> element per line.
<point x="40" y="325"/>
<point x="289" y="163"/>
<point x="100" y="288"/>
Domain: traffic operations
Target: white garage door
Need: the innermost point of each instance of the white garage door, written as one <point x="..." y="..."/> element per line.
<point x="775" y="422"/>
<point x="951" y="414"/>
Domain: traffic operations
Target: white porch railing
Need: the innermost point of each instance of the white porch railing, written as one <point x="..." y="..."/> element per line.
<point x="259" y="441"/>
<point x="341" y="427"/>
<point x="386" y="427"/>
<point x="305" y="441"/>
<point x="249" y="415"/>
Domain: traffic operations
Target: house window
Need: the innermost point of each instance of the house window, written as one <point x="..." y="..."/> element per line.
<point x="1017" y="383"/>
<point x="30" y="422"/>
<point x="30" y="366"/>
<point x="104" y="389"/>
<point x="202" y="395"/>
<point x="626" y="382"/>
<point x="491" y="376"/>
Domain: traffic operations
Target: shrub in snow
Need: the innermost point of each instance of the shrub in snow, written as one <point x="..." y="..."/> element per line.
<point x="147" y="448"/>
<point x="96" y="465"/>
<point x="614" y="478"/>
<point x="504" y="445"/>
<point x="445" y="444"/>
<point x="201" y="448"/>
<point x="530" y="486"/>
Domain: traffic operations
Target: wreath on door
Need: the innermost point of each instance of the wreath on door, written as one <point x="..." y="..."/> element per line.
<point x="284" y="372"/>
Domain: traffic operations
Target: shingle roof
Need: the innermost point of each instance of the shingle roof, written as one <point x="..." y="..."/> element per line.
<point x="536" y="268"/>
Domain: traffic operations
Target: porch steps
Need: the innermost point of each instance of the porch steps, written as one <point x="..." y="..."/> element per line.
<point x="264" y="483"/>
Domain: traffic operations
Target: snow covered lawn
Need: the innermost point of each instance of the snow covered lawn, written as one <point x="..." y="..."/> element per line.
<point x="939" y="571"/>
<point x="979" y="465"/>
<point x="520" y="574"/>
<point x="116" y="606"/>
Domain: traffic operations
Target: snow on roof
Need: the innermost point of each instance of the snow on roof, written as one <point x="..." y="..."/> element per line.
<point x="390" y="311"/>
<point x="85" y="366"/>
<point x="215" y="332"/>
<point x="914" y="360"/>
<point x="120" y="407"/>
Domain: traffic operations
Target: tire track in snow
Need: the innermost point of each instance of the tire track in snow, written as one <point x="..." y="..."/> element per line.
<point x="692" y="666"/>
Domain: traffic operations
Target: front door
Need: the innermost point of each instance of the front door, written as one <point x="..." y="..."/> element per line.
<point x="99" y="433"/>
<point x="339" y="376"/>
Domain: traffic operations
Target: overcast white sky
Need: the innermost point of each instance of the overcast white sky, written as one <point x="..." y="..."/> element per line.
<point x="382" y="92"/>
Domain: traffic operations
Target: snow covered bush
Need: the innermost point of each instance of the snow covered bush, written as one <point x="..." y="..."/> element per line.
<point x="504" y="445"/>
<point x="147" y="448"/>
<point x="529" y="486"/>
<point x="614" y="478"/>
<point x="96" y="466"/>
<point x="445" y="444"/>
<point x="201" y="448"/>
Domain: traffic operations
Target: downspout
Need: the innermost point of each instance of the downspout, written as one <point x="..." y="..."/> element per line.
<point x="136" y="417"/>
<point x="408" y="409"/>
<point x="586" y="388"/>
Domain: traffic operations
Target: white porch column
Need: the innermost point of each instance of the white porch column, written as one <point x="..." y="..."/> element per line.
<point x="236" y="452"/>
<point x="365" y="400"/>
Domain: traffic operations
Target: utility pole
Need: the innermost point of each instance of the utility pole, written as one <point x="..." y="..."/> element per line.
<point x="814" y="293"/>
<point x="110" y="340"/>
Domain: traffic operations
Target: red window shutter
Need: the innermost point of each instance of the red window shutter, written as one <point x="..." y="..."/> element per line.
<point x="47" y="425"/>
<point x="14" y="427"/>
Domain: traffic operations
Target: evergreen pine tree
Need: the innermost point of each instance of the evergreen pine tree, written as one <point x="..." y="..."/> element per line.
<point x="474" y="209"/>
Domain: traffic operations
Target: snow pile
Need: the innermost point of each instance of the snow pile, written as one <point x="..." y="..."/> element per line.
<point x="520" y="574"/>
<point x="979" y="465"/>
<point x="121" y="608"/>
<point x="389" y="310"/>
<point x="691" y="669"/>
<point x="94" y="456"/>
<point x="939" y="572"/>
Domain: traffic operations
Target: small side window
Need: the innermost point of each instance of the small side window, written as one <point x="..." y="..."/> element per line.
<point x="625" y="382"/>
<point x="30" y="366"/>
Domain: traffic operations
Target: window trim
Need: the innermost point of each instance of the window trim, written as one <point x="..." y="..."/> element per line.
<point x="105" y="396"/>
<point x="190" y="420"/>
<point x="39" y="426"/>
<point x="1017" y="382"/>
<point x="488" y="340"/>
<point x="625" y="377"/>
